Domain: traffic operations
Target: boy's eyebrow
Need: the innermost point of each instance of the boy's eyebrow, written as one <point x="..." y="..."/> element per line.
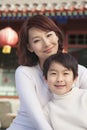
<point x="52" y="69"/>
<point x="66" y="69"/>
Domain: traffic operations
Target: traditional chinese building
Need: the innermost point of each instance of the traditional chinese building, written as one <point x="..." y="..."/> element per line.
<point x="71" y="16"/>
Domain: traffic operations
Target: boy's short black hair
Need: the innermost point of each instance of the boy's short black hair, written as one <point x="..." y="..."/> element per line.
<point x="64" y="59"/>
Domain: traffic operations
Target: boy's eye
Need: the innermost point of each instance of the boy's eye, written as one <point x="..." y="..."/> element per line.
<point x="53" y="73"/>
<point x="66" y="73"/>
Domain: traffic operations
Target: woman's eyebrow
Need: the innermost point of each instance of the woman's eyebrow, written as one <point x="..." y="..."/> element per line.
<point x="34" y="37"/>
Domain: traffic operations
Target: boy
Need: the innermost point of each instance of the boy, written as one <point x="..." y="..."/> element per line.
<point x="68" y="108"/>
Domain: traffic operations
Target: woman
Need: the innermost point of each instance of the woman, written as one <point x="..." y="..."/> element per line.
<point x="39" y="38"/>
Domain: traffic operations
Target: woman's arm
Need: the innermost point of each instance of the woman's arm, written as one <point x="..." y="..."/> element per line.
<point x="27" y="94"/>
<point x="82" y="72"/>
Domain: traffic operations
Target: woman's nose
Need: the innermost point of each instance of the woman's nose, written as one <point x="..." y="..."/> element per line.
<point x="46" y="41"/>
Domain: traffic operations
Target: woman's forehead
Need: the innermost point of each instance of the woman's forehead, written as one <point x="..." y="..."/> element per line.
<point x="35" y="32"/>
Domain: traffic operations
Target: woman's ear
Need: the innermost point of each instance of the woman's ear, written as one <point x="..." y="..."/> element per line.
<point x="29" y="48"/>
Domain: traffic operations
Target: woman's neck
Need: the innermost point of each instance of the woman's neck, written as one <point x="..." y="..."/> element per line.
<point x="41" y="62"/>
<point x="41" y="65"/>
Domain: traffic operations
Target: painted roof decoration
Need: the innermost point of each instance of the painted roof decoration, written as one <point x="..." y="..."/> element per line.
<point x="24" y="9"/>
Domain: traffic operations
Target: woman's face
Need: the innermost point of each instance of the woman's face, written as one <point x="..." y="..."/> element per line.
<point x="42" y="43"/>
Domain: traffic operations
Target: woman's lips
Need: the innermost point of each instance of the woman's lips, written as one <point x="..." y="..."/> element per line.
<point x="48" y="50"/>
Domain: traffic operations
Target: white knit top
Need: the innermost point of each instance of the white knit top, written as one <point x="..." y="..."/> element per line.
<point x="68" y="111"/>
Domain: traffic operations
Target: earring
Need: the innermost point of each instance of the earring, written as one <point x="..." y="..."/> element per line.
<point x="30" y="50"/>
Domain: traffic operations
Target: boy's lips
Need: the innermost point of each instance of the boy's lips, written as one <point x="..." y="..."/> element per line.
<point x="59" y="86"/>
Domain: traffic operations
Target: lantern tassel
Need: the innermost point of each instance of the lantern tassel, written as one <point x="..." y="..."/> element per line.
<point x="6" y="49"/>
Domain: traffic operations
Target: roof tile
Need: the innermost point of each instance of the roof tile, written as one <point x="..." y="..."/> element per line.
<point x="26" y="9"/>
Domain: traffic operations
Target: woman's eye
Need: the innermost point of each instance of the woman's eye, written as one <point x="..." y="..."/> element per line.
<point x="48" y="35"/>
<point x="35" y="41"/>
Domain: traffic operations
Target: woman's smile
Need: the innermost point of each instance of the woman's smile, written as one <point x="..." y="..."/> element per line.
<point x="48" y="50"/>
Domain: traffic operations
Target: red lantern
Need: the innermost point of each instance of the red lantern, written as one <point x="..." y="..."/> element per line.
<point x="8" y="37"/>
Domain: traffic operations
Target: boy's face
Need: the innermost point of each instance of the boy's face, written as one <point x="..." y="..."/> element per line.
<point x="59" y="78"/>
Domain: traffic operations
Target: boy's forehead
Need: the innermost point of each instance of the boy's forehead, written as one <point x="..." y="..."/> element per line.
<point x="57" y="66"/>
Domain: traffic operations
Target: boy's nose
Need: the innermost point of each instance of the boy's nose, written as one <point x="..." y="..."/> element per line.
<point x="59" y="78"/>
